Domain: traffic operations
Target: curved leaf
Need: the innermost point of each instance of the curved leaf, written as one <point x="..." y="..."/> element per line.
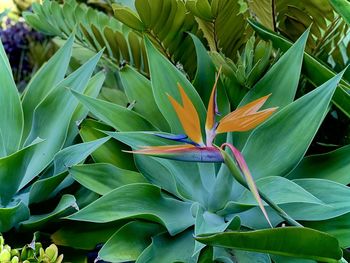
<point x="129" y="242"/>
<point x="173" y="176"/>
<point x="66" y="206"/>
<point x="13" y="169"/>
<point x="138" y="88"/>
<point x="127" y="17"/>
<point x="52" y="117"/>
<point x="281" y="191"/>
<point x="165" y="248"/>
<point x="103" y="178"/>
<point x="164" y="78"/>
<point x="110" y="152"/>
<point x="11" y="216"/>
<point x="332" y="166"/>
<point x="44" y="81"/>
<point x="138" y="201"/>
<point x="316" y="72"/>
<point x="118" y="117"/>
<point x="93" y="89"/>
<point x="43" y="189"/>
<point x="11" y="118"/>
<point x="292" y="130"/>
<point x="337" y="227"/>
<point x="343" y="8"/>
<point x="75" y="154"/>
<point x="263" y="11"/>
<point x="281" y="81"/>
<point x="82" y="235"/>
<point x="311" y="244"/>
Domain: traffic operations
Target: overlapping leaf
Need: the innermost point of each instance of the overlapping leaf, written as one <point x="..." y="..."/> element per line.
<point x="94" y="30"/>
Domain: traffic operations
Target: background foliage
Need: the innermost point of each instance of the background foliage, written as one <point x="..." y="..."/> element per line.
<point x="69" y="111"/>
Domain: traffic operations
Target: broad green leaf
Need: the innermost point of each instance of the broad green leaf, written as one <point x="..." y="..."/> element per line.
<point x="251" y="257"/>
<point x="75" y="154"/>
<point x="205" y="75"/>
<point x="334" y="204"/>
<point x="165" y="248"/>
<point x="128" y="17"/>
<point x="44" y="81"/>
<point x="11" y="118"/>
<point x="120" y="118"/>
<point x="205" y="78"/>
<point x="84" y="196"/>
<point x="337" y="227"/>
<point x="316" y="72"/>
<point x="82" y="235"/>
<point x="281" y="81"/>
<point x="206" y="256"/>
<point x="280" y="190"/>
<point x="173" y="176"/>
<point x="334" y="166"/>
<point x="113" y="95"/>
<point x="11" y="216"/>
<point x="13" y="169"/>
<point x="263" y="11"/>
<point x="284" y="259"/>
<point x="111" y="151"/>
<point x="129" y="242"/>
<point x="207" y="222"/>
<point x="103" y="178"/>
<point x="311" y="244"/>
<point x="165" y="78"/>
<point x="138" y="201"/>
<point x="276" y="146"/>
<point x="66" y="206"/>
<point x="43" y="189"/>
<point x="138" y="88"/>
<point x="93" y="89"/>
<point x="222" y="254"/>
<point x="52" y="118"/>
<point x="343" y="8"/>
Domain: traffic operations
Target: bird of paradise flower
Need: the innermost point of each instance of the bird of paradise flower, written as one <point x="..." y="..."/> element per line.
<point x="195" y="149"/>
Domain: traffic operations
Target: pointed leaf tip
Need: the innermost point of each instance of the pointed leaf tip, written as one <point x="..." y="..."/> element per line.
<point x="248" y="178"/>
<point x="212" y="105"/>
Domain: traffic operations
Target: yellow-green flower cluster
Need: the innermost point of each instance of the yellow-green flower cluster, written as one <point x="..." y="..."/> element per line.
<point x="28" y="254"/>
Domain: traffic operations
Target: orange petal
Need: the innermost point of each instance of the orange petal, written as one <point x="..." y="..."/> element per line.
<point x="244" y="123"/>
<point x="188" y="116"/>
<point x="249" y="108"/>
<point x="164" y="149"/>
<point x="210" y="121"/>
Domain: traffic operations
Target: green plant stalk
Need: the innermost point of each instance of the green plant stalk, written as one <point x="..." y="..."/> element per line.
<point x="237" y="174"/>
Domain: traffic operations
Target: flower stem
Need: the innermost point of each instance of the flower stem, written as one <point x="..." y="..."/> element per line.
<point x="237" y="174"/>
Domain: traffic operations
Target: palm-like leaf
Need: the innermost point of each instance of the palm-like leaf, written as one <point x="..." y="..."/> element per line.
<point x="94" y="30"/>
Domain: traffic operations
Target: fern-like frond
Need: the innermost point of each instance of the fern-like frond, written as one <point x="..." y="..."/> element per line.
<point x="166" y="23"/>
<point x="94" y="30"/>
<point x="226" y="32"/>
